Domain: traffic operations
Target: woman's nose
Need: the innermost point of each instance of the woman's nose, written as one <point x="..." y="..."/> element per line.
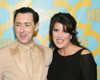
<point x="60" y="34"/>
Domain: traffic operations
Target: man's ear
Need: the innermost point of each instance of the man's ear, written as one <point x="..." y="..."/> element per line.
<point x="36" y="27"/>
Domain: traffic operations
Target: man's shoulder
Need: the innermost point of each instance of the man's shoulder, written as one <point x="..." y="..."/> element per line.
<point x="48" y="54"/>
<point x="6" y="48"/>
<point x="47" y="49"/>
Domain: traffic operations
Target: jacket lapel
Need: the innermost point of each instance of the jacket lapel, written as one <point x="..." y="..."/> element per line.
<point x="38" y="57"/>
<point x="16" y="54"/>
<point x="38" y="62"/>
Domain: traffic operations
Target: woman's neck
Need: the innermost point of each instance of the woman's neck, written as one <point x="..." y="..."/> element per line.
<point x="68" y="50"/>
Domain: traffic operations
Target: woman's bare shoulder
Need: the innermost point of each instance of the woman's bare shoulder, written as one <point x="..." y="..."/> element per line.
<point x="85" y="51"/>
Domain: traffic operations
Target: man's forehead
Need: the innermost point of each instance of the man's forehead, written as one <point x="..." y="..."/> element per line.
<point x="24" y="22"/>
<point x="23" y="17"/>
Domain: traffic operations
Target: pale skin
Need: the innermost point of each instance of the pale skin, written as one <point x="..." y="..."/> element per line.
<point x="25" y="27"/>
<point x="62" y="41"/>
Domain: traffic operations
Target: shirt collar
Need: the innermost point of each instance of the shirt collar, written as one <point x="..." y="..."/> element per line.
<point x="25" y="47"/>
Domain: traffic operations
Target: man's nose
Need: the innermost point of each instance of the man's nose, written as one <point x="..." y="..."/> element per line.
<point x="22" y="29"/>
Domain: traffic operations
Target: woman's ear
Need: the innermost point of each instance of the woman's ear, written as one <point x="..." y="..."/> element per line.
<point x="73" y="31"/>
<point x="71" y="37"/>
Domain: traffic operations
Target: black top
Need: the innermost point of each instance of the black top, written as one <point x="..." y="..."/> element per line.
<point x="72" y="67"/>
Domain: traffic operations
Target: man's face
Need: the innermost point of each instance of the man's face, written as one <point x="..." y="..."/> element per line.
<point x="25" y="27"/>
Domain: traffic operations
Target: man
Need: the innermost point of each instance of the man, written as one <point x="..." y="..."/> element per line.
<point x="25" y="59"/>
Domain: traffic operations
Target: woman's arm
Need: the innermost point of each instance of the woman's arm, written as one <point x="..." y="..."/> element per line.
<point x="88" y="67"/>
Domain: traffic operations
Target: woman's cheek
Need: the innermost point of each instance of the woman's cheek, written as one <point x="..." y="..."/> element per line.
<point x="54" y="34"/>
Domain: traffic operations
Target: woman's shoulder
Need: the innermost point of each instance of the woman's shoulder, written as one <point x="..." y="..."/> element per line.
<point x="85" y="52"/>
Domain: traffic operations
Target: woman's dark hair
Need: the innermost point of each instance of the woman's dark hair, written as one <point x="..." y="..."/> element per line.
<point x="27" y="10"/>
<point x="69" y="25"/>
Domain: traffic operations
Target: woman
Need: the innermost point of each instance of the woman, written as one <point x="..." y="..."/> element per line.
<point x="70" y="61"/>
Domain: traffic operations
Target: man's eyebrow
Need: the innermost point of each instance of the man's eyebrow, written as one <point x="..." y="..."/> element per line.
<point x="17" y="23"/>
<point x="27" y="23"/>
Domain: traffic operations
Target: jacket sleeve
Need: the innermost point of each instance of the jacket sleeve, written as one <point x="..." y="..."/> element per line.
<point x="88" y="67"/>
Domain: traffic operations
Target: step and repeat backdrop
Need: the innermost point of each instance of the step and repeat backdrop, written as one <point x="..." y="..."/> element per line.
<point x="86" y="12"/>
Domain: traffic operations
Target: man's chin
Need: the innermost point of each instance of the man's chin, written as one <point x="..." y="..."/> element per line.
<point x="23" y="42"/>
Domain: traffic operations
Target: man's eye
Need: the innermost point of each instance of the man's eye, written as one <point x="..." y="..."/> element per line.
<point x="17" y="24"/>
<point x="27" y="25"/>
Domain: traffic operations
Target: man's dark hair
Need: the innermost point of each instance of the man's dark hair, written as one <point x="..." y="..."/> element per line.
<point x="27" y="10"/>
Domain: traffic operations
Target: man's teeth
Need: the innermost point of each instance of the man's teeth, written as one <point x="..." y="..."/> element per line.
<point x="22" y="34"/>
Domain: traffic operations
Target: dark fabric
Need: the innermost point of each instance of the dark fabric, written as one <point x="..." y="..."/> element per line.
<point x="72" y="67"/>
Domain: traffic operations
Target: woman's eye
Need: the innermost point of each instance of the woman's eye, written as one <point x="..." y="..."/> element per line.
<point x="55" y="30"/>
<point x="65" y="31"/>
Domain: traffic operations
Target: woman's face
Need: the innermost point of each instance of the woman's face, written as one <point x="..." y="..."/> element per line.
<point x="60" y="38"/>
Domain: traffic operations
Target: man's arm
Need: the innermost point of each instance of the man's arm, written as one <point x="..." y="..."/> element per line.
<point x="1" y="72"/>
